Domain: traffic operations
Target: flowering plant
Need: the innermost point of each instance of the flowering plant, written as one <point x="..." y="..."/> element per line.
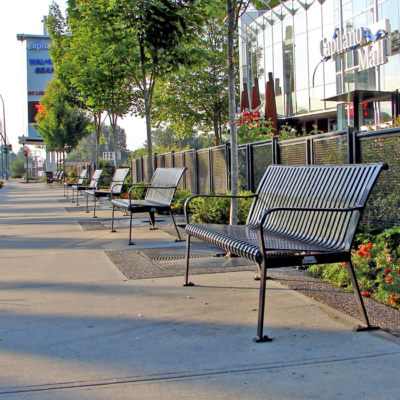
<point x="377" y="267"/>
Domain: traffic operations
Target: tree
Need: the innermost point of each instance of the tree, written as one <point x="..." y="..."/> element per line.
<point x="198" y="97"/>
<point x="148" y="37"/>
<point x="85" y="149"/>
<point x="60" y="124"/>
<point x="95" y="78"/>
<point x="235" y="9"/>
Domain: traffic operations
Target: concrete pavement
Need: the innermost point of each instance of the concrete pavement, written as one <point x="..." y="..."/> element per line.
<point x="73" y="327"/>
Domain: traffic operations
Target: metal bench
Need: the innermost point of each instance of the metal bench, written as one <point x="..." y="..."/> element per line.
<point x="300" y="215"/>
<point x="116" y="184"/>
<point x="159" y="195"/>
<point x="93" y="184"/>
<point x="79" y="182"/>
<point x="55" y="178"/>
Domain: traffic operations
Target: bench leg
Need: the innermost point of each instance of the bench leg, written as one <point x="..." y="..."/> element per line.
<point x="360" y="302"/>
<point x="130" y="243"/>
<point x="87" y="203"/>
<point x="112" y="220"/>
<point x="187" y="283"/>
<point x="261" y="306"/>
<point x="73" y="194"/>
<point x="152" y="219"/>
<point x="176" y="228"/>
<point x="94" y="207"/>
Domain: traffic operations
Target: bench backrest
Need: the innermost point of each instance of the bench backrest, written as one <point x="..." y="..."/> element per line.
<point x="82" y="176"/>
<point x="164" y="178"/>
<point x="94" y="180"/>
<point x="315" y="186"/>
<point x="118" y="180"/>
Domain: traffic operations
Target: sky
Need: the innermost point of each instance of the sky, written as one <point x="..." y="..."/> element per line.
<point x="25" y="16"/>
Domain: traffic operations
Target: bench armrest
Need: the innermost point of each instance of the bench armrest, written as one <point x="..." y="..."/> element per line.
<point x="186" y="206"/>
<point x="271" y="210"/>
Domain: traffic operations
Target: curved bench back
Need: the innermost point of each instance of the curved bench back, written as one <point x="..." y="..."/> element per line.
<point x="164" y="178"/>
<point x="315" y="186"/>
<point x="118" y="180"/>
<point x="82" y="176"/>
<point x="94" y="180"/>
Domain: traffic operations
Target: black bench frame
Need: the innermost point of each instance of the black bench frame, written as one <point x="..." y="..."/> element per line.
<point x="91" y="183"/>
<point x="116" y="184"/>
<point x="159" y="196"/>
<point x="289" y="225"/>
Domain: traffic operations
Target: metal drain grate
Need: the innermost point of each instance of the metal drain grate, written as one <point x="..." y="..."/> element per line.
<point x="177" y="258"/>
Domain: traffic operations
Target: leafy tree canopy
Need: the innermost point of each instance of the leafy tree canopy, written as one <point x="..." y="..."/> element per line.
<point x="60" y="124"/>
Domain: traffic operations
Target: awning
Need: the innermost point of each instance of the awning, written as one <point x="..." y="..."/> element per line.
<point x="36" y="141"/>
<point x="362" y="96"/>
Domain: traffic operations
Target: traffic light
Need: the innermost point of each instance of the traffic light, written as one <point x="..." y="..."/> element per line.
<point x="10" y="149"/>
<point x="26" y="153"/>
<point x="5" y="149"/>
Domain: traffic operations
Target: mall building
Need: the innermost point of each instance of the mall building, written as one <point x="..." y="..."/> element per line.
<point x="330" y="63"/>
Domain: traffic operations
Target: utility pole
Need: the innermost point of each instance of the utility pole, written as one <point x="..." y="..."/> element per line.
<point x="5" y="133"/>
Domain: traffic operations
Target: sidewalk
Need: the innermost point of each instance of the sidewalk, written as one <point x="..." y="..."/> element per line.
<point x="72" y="326"/>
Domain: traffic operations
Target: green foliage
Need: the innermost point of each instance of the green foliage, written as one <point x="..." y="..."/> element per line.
<point x="1" y="184"/>
<point x="286" y="132"/>
<point x="197" y="97"/>
<point x="377" y="266"/>
<point x="215" y="210"/>
<point x="61" y="125"/>
<point x="139" y="191"/>
<point x="179" y="200"/>
<point x="254" y="131"/>
<point x="18" y="167"/>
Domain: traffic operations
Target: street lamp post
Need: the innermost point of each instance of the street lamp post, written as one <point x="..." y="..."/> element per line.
<point x="5" y="134"/>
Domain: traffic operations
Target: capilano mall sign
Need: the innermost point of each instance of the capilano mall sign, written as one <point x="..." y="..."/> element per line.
<point x="372" y="44"/>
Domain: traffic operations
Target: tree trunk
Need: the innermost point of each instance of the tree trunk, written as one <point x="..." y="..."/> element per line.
<point x="149" y="139"/>
<point x="114" y="128"/>
<point x="230" y="8"/>
<point x="217" y="140"/>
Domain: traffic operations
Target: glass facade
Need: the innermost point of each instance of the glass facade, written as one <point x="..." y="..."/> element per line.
<point x="289" y="41"/>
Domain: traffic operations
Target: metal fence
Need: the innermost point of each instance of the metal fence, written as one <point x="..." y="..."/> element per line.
<point x="208" y="170"/>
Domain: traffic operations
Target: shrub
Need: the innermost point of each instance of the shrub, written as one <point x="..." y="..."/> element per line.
<point x="215" y="210"/>
<point x="1" y="184"/>
<point x="179" y="200"/>
<point x="138" y="192"/>
<point x="377" y="265"/>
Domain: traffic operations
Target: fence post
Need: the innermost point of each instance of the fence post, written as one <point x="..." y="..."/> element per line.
<point x="228" y="166"/>
<point x="172" y="159"/>
<point x="154" y="165"/>
<point x="184" y="175"/>
<point x="350" y="145"/>
<point x="275" y="151"/>
<point x="309" y="151"/>
<point x="195" y="172"/>
<point x="210" y="172"/>
<point x="356" y="148"/>
<point x="141" y="170"/>
<point x="249" y="168"/>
